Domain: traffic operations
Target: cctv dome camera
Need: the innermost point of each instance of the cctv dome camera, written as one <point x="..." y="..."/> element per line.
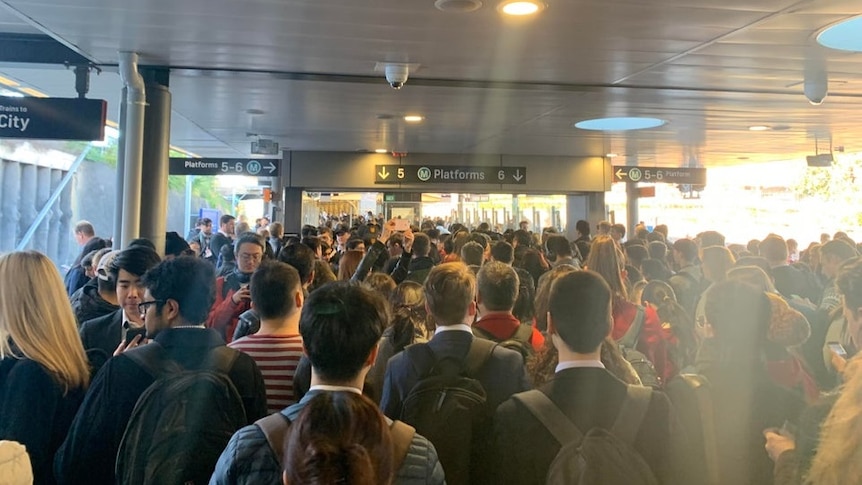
<point x="396" y="75"/>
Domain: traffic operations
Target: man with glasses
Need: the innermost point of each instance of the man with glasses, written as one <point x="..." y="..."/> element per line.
<point x="177" y="297"/>
<point x="233" y="296"/>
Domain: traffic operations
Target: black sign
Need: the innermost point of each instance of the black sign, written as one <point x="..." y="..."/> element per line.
<point x="693" y="176"/>
<point x="255" y="167"/>
<point x="52" y="118"/>
<point x="448" y="174"/>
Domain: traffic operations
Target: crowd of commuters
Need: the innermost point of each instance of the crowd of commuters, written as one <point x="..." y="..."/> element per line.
<point x="374" y="353"/>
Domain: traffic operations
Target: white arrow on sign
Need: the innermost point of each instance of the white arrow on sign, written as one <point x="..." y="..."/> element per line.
<point x="383" y="174"/>
<point x="271" y="167"/>
<point x="620" y="174"/>
<point x="518" y="177"/>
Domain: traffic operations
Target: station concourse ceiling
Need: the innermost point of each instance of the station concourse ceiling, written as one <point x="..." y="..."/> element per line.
<point x="302" y="72"/>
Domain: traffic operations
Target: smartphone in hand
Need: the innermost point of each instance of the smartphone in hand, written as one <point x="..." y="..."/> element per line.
<point x="838" y="349"/>
<point x="132" y="332"/>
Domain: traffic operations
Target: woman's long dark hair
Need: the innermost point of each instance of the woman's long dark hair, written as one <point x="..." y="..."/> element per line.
<point x="409" y="317"/>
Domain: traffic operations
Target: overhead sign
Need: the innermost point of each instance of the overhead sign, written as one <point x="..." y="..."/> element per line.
<point x="449" y="174"/>
<point x="683" y="175"/>
<point x="256" y="167"/>
<point x="52" y="118"/>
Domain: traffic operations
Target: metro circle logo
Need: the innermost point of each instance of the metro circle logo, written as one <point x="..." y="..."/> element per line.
<point x="253" y="167"/>
<point x="635" y="174"/>
<point x="424" y="174"/>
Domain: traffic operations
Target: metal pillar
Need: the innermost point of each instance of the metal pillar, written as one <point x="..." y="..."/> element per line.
<point x="632" y="214"/>
<point x="134" y="149"/>
<point x="156" y="153"/>
<point x="119" y="197"/>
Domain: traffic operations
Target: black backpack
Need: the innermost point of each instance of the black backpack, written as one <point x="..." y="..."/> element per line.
<point x="519" y="341"/>
<point x="599" y="457"/>
<point x="643" y="367"/>
<point x="449" y="406"/>
<point x="182" y="422"/>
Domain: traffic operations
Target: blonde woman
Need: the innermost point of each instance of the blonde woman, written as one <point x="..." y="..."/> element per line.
<point x="44" y="371"/>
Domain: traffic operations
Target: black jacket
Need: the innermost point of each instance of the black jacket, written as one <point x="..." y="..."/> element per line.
<point x="90" y="450"/>
<point x="103" y="333"/>
<point x="88" y="304"/>
<point x="416" y="269"/>
<point x="35" y="412"/>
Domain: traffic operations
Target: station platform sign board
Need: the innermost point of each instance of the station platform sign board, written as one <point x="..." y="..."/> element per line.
<point x="52" y="118"/>
<point x="659" y="175"/>
<point x="449" y="174"/>
<point x="252" y="167"/>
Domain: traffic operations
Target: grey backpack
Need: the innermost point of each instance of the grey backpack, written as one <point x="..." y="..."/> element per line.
<point x="599" y="457"/>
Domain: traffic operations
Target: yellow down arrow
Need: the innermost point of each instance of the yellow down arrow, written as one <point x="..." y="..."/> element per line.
<point x="383" y="174"/>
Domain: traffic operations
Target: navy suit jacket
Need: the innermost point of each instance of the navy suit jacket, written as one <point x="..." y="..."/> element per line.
<point x="103" y="333"/>
<point x="502" y="375"/>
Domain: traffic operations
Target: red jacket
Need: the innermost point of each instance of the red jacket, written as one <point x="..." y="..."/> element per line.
<point x="224" y="314"/>
<point x="654" y="340"/>
<point x="503" y="326"/>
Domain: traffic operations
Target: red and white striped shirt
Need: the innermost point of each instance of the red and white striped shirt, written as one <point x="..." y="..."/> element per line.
<point x="277" y="357"/>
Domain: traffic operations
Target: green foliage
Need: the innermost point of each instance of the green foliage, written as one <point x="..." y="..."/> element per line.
<point x="836" y="185"/>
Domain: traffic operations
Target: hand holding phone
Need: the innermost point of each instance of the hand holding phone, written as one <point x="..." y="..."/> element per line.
<point x="133" y="332"/>
<point x="401" y="225"/>
<point x="838" y="349"/>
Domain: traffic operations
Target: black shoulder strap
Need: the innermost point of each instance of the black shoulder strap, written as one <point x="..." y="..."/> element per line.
<point x="153" y="358"/>
<point x="479" y="353"/>
<point x="274" y="429"/>
<point x="481" y="332"/>
<point x="632" y="413"/>
<point x="630" y="339"/>
<point x="551" y="417"/>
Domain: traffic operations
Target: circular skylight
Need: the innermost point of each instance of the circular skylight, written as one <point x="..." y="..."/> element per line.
<point x="619" y="124"/>
<point x="845" y="36"/>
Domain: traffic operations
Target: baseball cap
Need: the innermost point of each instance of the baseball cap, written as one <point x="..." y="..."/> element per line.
<point x="103" y="271"/>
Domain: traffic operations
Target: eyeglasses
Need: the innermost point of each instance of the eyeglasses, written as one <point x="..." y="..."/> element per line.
<point x="250" y="257"/>
<point x="143" y="306"/>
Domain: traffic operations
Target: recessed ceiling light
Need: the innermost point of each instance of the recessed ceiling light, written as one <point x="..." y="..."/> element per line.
<point x="381" y="150"/>
<point x="619" y="124"/>
<point x="521" y="7"/>
<point x="758" y="128"/>
<point x="612" y="155"/>
<point x="845" y="36"/>
<point x="255" y="111"/>
<point x="458" y="6"/>
<point x="414" y="118"/>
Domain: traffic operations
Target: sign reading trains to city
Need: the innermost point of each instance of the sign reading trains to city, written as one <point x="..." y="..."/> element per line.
<point x="449" y="174"/>
<point x="682" y="175"/>
<point x="254" y="167"/>
<point x="52" y="118"/>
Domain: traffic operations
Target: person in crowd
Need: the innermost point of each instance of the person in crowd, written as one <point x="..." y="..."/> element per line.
<point x="276" y="295"/>
<point x="654" y="269"/>
<point x="76" y="277"/>
<point x="534" y="263"/>
<point x="175" y="305"/>
<point x="717" y="261"/>
<point x="233" y="296"/>
<point x="659" y="295"/>
<point x="227" y="260"/>
<point x="339" y="437"/>
<point x="636" y="254"/>
<point x="98" y="297"/>
<point x="44" y="371"/>
<point x="301" y="258"/>
<point x="450" y="291"/>
<point x="276" y="236"/>
<point x="224" y="236"/>
<point x="582" y="228"/>
<point x="473" y="254"/>
<point x="420" y="264"/>
<point x="711" y="238"/>
<point x="789" y="280"/>
<point x="241" y="228"/>
<point x="176" y="246"/>
<point x="687" y="283"/>
<point x="497" y="292"/>
<point x="744" y="398"/>
<point x="409" y="324"/>
<point x="348" y="264"/>
<point x="108" y="332"/>
<point x="194" y="233"/>
<point x="525" y="308"/>
<point x="560" y="251"/>
<point x="381" y="283"/>
<point x="579" y="321"/>
<point x="341" y="324"/>
<point x="654" y="342"/>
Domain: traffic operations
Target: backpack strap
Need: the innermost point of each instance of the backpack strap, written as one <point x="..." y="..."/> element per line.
<point x="222" y="358"/>
<point x="700" y="385"/>
<point x="541" y="406"/>
<point x="153" y="358"/>
<point x="274" y="428"/>
<point x="632" y="414"/>
<point x="402" y="437"/>
<point x="524" y="334"/>
<point x="630" y="339"/>
<point x="479" y="353"/>
<point x="481" y="332"/>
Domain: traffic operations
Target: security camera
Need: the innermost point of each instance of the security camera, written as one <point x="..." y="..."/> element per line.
<point x="396" y="75"/>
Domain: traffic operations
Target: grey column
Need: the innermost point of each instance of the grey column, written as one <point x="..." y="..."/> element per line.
<point x="9" y="209"/>
<point x="576" y="209"/>
<point x="157" y="138"/>
<point x="27" y="201"/>
<point x="292" y="210"/>
<point x="43" y="193"/>
<point x="121" y="172"/>
<point x="632" y="214"/>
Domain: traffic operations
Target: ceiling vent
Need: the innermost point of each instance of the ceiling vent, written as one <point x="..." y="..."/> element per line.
<point x="458" y="6"/>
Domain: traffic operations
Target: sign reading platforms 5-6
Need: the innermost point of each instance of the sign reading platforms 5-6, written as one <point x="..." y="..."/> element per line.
<point x="683" y="175"/>
<point x="449" y="174"/>
<point x="52" y="118"/>
<point x="258" y="167"/>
